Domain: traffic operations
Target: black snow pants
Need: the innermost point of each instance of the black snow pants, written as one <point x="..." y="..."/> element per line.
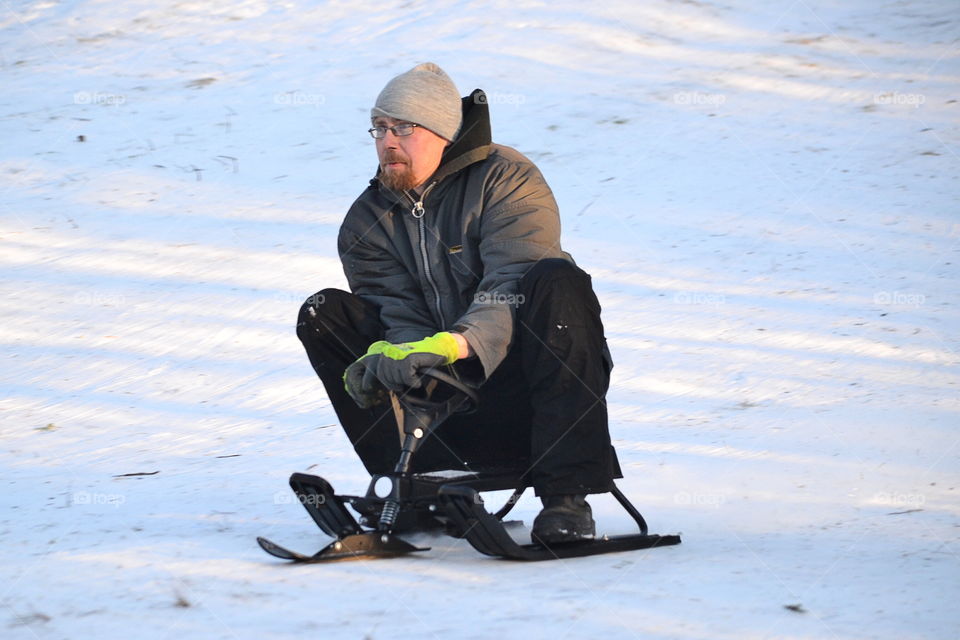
<point x="542" y="412"/>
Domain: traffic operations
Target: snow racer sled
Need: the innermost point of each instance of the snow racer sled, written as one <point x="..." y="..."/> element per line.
<point x="404" y="501"/>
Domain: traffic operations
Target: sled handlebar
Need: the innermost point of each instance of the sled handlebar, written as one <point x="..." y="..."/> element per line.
<point x="457" y="386"/>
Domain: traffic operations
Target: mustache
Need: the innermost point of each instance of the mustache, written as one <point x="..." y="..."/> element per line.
<point x="394" y="156"/>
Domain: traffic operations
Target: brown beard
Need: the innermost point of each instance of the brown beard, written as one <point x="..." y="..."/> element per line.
<point x="401" y="181"/>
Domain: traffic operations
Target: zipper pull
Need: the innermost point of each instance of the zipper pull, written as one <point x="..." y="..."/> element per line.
<point x="417" y="210"/>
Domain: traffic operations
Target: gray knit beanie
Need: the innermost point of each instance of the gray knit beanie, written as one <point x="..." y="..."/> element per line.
<point x="425" y="95"/>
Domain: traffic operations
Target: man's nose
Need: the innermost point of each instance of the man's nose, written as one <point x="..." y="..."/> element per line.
<point x="388" y="141"/>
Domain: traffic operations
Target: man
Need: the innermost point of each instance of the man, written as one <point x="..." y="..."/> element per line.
<point x="453" y="257"/>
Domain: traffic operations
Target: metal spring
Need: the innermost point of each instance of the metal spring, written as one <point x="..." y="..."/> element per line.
<point x="389" y="514"/>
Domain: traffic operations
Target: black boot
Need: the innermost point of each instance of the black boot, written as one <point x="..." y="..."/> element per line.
<point x="564" y="518"/>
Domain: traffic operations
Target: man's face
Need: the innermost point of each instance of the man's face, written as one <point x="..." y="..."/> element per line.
<point x="407" y="161"/>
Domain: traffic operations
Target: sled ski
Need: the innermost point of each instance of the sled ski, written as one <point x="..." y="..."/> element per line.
<point x="404" y="501"/>
<point x="359" y="545"/>
<point x="487" y="535"/>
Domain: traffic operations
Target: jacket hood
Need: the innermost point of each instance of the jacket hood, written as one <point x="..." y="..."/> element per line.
<point x="473" y="142"/>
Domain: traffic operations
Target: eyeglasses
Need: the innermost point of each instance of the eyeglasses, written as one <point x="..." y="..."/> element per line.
<point x="402" y="129"/>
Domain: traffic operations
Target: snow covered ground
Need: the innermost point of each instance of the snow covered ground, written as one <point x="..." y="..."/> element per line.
<point x="765" y="193"/>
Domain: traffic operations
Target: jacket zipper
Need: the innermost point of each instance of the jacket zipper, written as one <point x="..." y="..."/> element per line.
<point x="418" y="211"/>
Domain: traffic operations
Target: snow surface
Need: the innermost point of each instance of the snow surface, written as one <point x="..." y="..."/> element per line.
<point x="765" y="194"/>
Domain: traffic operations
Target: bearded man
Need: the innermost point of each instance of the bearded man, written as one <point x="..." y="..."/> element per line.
<point x="452" y="254"/>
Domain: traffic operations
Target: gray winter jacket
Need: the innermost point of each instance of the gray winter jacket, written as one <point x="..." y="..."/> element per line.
<point x="450" y="260"/>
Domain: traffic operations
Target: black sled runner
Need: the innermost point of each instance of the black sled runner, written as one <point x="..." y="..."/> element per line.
<point x="450" y="501"/>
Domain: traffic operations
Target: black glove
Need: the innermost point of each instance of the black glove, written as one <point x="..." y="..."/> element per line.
<point x="360" y="378"/>
<point x="399" y="365"/>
